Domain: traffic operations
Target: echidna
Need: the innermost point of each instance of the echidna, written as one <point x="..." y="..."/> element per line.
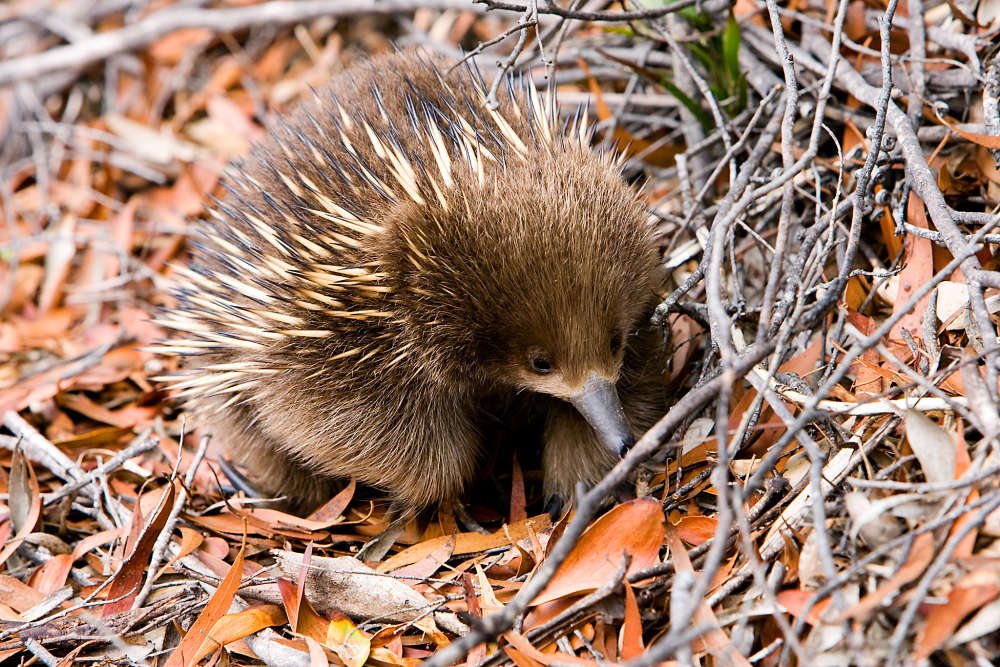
<point x="398" y="260"/>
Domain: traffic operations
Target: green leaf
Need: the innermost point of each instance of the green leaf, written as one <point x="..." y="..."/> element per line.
<point x="704" y="119"/>
<point x="731" y="48"/>
<point x="619" y="30"/>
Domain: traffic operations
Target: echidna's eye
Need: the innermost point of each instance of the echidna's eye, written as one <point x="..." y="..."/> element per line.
<point x="616" y="342"/>
<point x="540" y="364"/>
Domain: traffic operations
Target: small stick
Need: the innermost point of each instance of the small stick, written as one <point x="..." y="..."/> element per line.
<point x="38" y="449"/>
<point x="142" y="444"/>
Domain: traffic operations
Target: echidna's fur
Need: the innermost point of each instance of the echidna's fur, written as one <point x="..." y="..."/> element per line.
<point x="383" y="267"/>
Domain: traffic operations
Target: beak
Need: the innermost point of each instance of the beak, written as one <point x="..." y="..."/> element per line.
<point x="598" y="402"/>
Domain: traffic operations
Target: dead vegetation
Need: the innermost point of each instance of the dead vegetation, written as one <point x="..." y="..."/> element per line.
<point x="825" y="178"/>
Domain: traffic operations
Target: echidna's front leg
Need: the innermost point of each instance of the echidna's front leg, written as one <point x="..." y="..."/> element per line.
<point x="572" y="454"/>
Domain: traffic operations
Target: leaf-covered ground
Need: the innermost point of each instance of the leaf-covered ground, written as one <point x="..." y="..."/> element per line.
<point x="824" y="491"/>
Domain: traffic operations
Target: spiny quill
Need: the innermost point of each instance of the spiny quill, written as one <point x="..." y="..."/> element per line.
<point x="397" y="262"/>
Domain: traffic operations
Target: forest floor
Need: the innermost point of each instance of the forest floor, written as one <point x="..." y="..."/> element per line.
<point x="824" y="178"/>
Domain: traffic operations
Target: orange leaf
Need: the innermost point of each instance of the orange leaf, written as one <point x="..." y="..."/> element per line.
<point x="920" y="556"/>
<point x="631" y="638"/>
<point x="970" y="594"/>
<point x="51" y="576"/>
<point x="524" y="648"/>
<point x="696" y="529"/>
<point x="918" y="269"/>
<point x="466" y="543"/>
<point x="519" y="659"/>
<point x="794" y="601"/>
<point x="517" y="499"/>
<point x="635" y="527"/>
<point x="186" y="653"/>
<point x="347" y="641"/>
<point x="333" y="508"/>
<point x="309" y="623"/>
<point x="715" y="640"/>
<point x="985" y="140"/>
<point x="191" y="539"/>
<point x="232" y="627"/>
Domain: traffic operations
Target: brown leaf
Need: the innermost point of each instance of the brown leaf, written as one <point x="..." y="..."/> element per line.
<point x="308" y="623"/>
<point x="715" y="641"/>
<point x="129" y="577"/>
<point x="332" y="509"/>
<point x="696" y="530"/>
<point x="25" y="502"/>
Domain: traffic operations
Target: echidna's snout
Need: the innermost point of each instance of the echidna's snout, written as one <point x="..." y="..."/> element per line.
<point x="597" y="400"/>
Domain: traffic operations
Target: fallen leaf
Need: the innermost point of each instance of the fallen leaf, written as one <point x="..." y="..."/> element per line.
<point x="933" y="446"/>
<point x="920" y="556"/>
<point x="232" y="627"/>
<point x="696" y="530"/>
<point x="968" y="595"/>
<point x="631" y="634"/>
<point x="130" y="575"/>
<point x="466" y="543"/>
<point x="186" y="653"/>
<point x="349" y="643"/>
<point x="635" y="527"/>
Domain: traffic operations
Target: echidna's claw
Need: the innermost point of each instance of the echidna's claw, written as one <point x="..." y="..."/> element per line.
<point x="238" y="479"/>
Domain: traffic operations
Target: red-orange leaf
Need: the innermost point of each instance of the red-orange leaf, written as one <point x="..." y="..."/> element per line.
<point x="186" y="653"/>
<point x="635" y="527"/>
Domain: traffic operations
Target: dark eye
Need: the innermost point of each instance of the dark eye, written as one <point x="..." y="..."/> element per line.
<point x="540" y="364"/>
<point x="616" y="342"/>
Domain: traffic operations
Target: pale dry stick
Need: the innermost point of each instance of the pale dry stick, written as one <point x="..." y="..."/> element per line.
<point x="142" y="444"/>
<point x="917" y="33"/>
<point x="551" y="627"/>
<point x="949" y="39"/>
<point x="42" y="653"/>
<point x="774" y="275"/>
<point x="706" y="93"/>
<point x="816" y="461"/>
<point x="965" y="481"/>
<point x="756" y="565"/>
<point x="527" y="20"/>
<point x="918" y="594"/>
<point x="924" y="183"/>
<point x="863" y="179"/>
<point x="860" y="567"/>
<point x="959" y="407"/>
<point x="809" y="411"/>
<point x="719" y="321"/>
<point x="154" y="26"/>
<point x="490" y="42"/>
<point x="718" y="318"/>
<point x="37" y="448"/>
<point x="587" y="507"/>
<point x="824" y="94"/>
<point x="770" y="130"/>
<point x="166" y="535"/>
<point x="612" y="17"/>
